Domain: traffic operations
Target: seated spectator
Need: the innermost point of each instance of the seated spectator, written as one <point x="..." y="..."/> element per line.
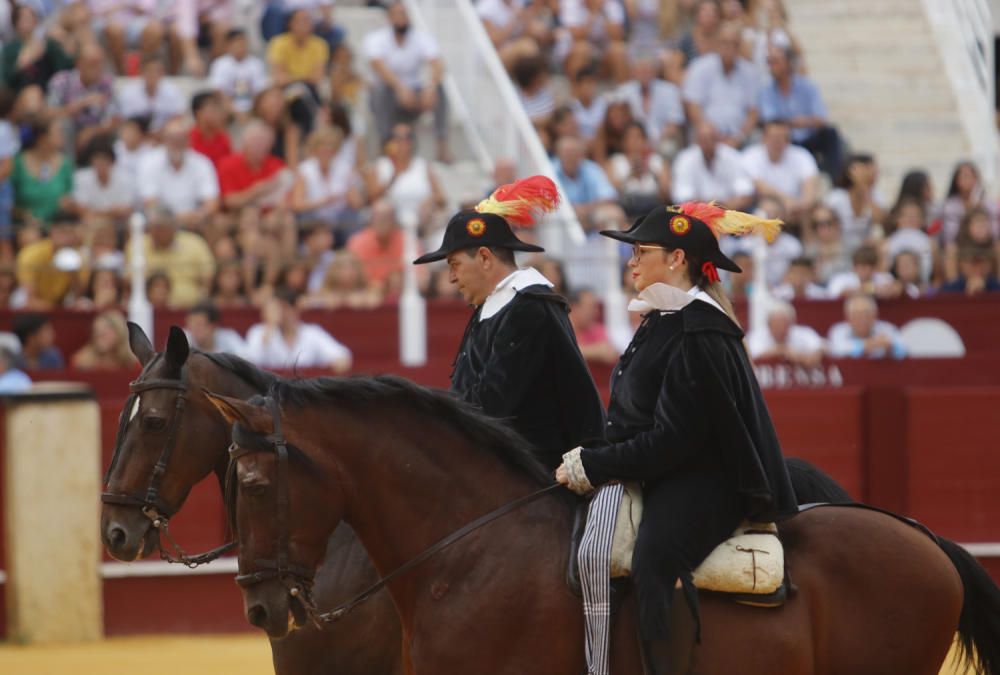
<point x="105" y="290"/>
<point x="639" y="174"/>
<point x="324" y="188"/>
<point x="133" y="144"/>
<point x="183" y="20"/>
<point x="824" y="243"/>
<point x="516" y="28"/>
<point x="589" y="107"/>
<point x="863" y="278"/>
<point x="610" y="138"/>
<point x="977" y="272"/>
<point x="795" y="98"/>
<point x="42" y="175"/>
<point x="379" y="248"/>
<point x="856" y="200"/>
<point x="975" y="230"/>
<point x="46" y="279"/>
<point x="906" y="226"/>
<point x="10" y="145"/>
<point x="591" y="335"/>
<point x="277" y="15"/>
<point x="586" y="185"/>
<point x="180" y="179"/>
<point x="406" y="180"/>
<point x="238" y="75"/>
<point x="398" y="55"/>
<point x="85" y="96"/>
<point x="103" y="191"/>
<point x="228" y="289"/>
<point x="766" y="27"/>
<point x="701" y="39"/>
<point x="183" y="256"/>
<point x="907" y="277"/>
<point x="13" y="380"/>
<point x="594" y="32"/>
<point x="69" y="24"/>
<point x="205" y="334"/>
<point x="783" y="171"/>
<point x="290" y="123"/>
<point x="799" y="282"/>
<point x="655" y="103"/>
<point x="108" y="346"/>
<point x="862" y="335"/>
<point x="721" y="87"/>
<point x="254" y="185"/>
<point x="29" y="59"/>
<point x="38" y="343"/>
<point x="126" y="25"/>
<point x="709" y="170"/>
<point x="208" y="133"/>
<point x="965" y="193"/>
<point x="780" y="253"/>
<point x="531" y="76"/>
<point x="159" y="289"/>
<point x="784" y="339"/>
<point x="343" y="285"/>
<point x="281" y="340"/>
<point x="917" y="184"/>
<point x="298" y="55"/>
<point x="152" y="96"/>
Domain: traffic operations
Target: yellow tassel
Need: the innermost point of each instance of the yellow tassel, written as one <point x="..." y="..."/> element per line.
<point x="738" y="223"/>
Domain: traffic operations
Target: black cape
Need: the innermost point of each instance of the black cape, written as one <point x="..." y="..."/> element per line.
<point x="688" y="420"/>
<point x="523" y="364"/>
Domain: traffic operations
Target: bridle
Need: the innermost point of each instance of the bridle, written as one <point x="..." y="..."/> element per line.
<point x="296" y="578"/>
<point x="150" y="503"/>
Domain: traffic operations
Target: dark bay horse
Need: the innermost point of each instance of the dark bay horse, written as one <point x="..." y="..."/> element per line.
<point x="406" y="466"/>
<point x="366" y="644"/>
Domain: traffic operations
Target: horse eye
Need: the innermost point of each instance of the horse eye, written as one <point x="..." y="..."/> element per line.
<point x="150" y="423"/>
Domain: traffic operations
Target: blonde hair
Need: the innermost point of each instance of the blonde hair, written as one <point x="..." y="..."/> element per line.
<point x="331" y="135"/>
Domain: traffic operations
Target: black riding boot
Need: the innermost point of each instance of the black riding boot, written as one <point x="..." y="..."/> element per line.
<point x="673" y="655"/>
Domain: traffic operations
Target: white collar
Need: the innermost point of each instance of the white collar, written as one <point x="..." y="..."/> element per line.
<point x="667" y="298"/>
<point x="507" y="289"/>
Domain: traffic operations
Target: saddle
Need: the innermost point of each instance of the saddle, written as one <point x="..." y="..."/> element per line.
<point x="748" y="568"/>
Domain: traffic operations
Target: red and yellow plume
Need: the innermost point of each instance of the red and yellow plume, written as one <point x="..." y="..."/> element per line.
<point x="521" y="202"/>
<point x="723" y="221"/>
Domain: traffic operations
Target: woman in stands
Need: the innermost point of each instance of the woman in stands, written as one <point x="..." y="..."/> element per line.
<point x="686" y="419"/>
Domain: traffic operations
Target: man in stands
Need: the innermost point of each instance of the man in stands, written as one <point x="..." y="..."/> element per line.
<point x="38" y="343"/>
<point x="785" y="339"/>
<point x="183" y="256"/>
<point x="152" y="96"/>
<point x="862" y="335"/>
<point x="709" y="170"/>
<point x="379" y="249"/>
<point x="519" y="358"/>
<point x="655" y="103"/>
<point x="43" y="276"/>
<point x="208" y="134"/>
<point x="204" y="332"/>
<point x="85" y="96"/>
<point x="783" y="171"/>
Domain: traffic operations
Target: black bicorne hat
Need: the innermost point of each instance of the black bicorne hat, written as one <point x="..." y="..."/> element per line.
<point x="471" y="229"/>
<point x="671" y="228"/>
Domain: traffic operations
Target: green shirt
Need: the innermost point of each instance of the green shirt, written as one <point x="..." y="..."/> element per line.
<point x="40" y="197"/>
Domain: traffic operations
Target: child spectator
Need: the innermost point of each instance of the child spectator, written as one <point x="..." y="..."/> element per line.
<point x="965" y="193"/>
<point x="906" y="270"/>
<point x="906" y="227"/>
<point x="975" y="231"/>
<point x="863" y="278"/>
<point x="977" y="273"/>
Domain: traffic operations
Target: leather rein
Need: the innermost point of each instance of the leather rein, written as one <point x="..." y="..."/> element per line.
<point x="299" y="580"/>
<point x="150" y="503"/>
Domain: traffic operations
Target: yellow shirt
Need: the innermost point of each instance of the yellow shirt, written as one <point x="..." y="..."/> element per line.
<point x="188" y="263"/>
<point x="299" y="61"/>
<point x="35" y="270"/>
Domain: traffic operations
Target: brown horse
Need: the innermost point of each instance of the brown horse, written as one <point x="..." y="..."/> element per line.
<point x="406" y="466"/>
<point x="368" y="643"/>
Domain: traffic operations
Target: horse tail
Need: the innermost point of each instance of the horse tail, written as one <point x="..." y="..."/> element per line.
<point x="979" y="623"/>
<point x="812" y="486"/>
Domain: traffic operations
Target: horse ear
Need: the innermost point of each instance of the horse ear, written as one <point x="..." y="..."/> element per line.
<point x="140" y="344"/>
<point x="178" y="348"/>
<point x="237" y="410"/>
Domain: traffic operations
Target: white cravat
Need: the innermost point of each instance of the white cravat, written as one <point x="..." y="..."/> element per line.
<point x="507" y="289"/>
<point x="667" y="298"/>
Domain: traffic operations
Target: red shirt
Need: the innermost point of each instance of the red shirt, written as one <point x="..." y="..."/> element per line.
<point x="215" y="147"/>
<point x="236" y="175"/>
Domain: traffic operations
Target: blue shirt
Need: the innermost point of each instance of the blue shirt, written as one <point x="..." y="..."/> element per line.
<point x="802" y="100"/>
<point x="590" y="185"/>
<point x="14" y="381"/>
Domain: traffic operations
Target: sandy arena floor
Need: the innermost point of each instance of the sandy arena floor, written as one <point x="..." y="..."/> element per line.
<point x="215" y="655"/>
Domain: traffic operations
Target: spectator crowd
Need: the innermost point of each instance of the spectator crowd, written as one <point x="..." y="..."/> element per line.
<point x="271" y="174"/>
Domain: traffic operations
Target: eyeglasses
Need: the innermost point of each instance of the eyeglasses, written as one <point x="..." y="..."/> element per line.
<point x="637" y="250"/>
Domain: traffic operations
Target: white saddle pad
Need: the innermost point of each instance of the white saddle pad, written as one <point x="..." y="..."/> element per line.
<point x="751" y="561"/>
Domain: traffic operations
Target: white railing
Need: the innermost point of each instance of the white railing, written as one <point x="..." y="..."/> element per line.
<point x="964" y="33"/>
<point x="139" y="309"/>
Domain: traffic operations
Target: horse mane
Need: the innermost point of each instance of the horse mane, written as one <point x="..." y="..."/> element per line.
<point x="259" y="380"/>
<point x="487" y="433"/>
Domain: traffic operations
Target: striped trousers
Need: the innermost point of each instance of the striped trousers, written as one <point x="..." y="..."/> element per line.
<point x="595" y="575"/>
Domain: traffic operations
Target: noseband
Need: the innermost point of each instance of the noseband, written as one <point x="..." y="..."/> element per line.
<point x="299" y="580"/>
<point x="150" y="503"/>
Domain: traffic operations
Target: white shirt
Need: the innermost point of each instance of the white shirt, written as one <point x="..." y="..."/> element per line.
<point x="664" y="102"/>
<point x="407" y="60"/>
<point x="313" y="348"/>
<point x="724" y="179"/>
<point x="181" y="190"/>
<point x="646" y="183"/>
<point x="589" y="118"/>
<point x="164" y="104"/>
<point x="855" y="227"/>
<point x="787" y="175"/>
<point x="239" y="80"/>
<point x="800" y="340"/>
<point x="848" y="281"/>
<point x="130" y="160"/>
<point x="843" y="342"/>
<point x="573" y="13"/>
<point x="224" y="340"/>
<point x="507" y="290"/>
<point x="91" y="193"/>
<point x="725" y="98"/>
<point x="915" y="241"/>
<point x="499" y="12"/>
<point x="780" y="253"/>
<point x="410" y="188"/>
<point x="335" y="183"/>
<point x="667" y="298"/>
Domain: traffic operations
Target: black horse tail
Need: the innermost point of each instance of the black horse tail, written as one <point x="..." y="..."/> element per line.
<point x="979" y="624"/>
<point x="813" y="486"/>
